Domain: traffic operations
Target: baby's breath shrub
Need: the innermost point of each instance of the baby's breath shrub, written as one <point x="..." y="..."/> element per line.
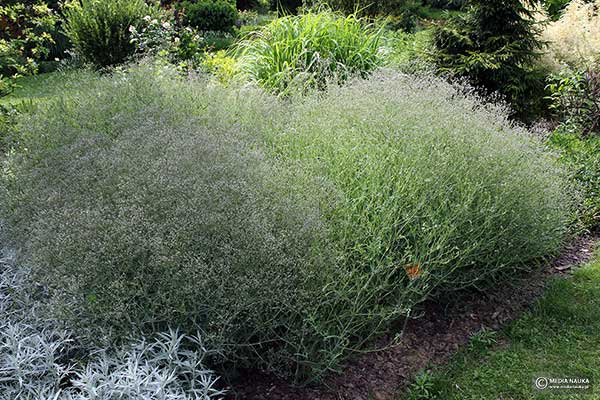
<point x="289" y="231"/>
<point x="436" y="184"/>
<point x="144" y="206"/>
<point x="436" y="192"/>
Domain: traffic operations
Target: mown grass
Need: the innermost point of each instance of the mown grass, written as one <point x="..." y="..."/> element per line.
<point x="558" y="338"/>
<point x="42" y="87"/>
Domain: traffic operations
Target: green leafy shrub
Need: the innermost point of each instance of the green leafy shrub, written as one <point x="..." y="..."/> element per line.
<point x="582" y="154"/>
<point x="307" y="50"/>
<point x="164" y="41"/>
<point x="208" y="15"/>
<point x="28" y="33"/>
<point x="575" y="99"/>
<point x="100" y="30"/>
<point x="496" y="45"/>
<point x="13" y="65"/>
<point x="289" y="231"/>
<point x="223" y="66"/>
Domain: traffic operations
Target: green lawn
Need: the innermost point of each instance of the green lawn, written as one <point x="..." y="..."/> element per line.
<point x="559" y="337"/>
<point x="43" y="86"/>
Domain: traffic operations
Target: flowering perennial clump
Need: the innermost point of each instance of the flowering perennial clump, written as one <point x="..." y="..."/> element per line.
<point x="574" y="40"/>
<point x="288" y="231"/>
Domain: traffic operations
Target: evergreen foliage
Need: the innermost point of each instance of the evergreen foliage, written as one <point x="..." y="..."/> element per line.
<point x="496" y="45"/>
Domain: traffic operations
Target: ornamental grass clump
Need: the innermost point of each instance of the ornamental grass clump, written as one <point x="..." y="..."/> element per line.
<point x="305" y="51"/>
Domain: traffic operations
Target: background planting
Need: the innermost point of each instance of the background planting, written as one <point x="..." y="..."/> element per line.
<point x="429" y="177"/>
<point x="574" y="39"/>
<point x="301" y="52"/>
<point x="208" y="15"/>
<point x="496" y="45"/>
<point x="100" y="29"/>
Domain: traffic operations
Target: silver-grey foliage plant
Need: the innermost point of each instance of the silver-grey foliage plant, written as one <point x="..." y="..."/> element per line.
<point x="37" y="363"/>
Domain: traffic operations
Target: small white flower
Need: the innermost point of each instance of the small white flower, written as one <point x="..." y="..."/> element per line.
<point x="166" y="25"/>
<point x="147" y="18"/>
<point x="131" y="28"/>
<point x="176" y="40"/>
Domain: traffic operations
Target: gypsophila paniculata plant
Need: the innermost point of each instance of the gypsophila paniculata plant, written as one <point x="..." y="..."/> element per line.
<point x="289" y="231"/>
<point x="192" y="225"/>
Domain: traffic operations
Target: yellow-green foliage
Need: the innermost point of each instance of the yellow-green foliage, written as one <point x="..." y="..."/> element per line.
<point x="223" y="66"/>
<point x="574" y="39"/>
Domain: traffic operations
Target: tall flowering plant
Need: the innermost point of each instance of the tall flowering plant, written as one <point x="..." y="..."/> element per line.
<point x="166" y="41"/>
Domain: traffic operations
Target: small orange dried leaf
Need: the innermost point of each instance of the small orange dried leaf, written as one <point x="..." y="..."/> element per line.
<point x="413" y="271"/>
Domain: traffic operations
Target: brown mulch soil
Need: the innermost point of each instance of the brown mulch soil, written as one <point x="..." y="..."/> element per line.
<point x="430" y="340"/>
